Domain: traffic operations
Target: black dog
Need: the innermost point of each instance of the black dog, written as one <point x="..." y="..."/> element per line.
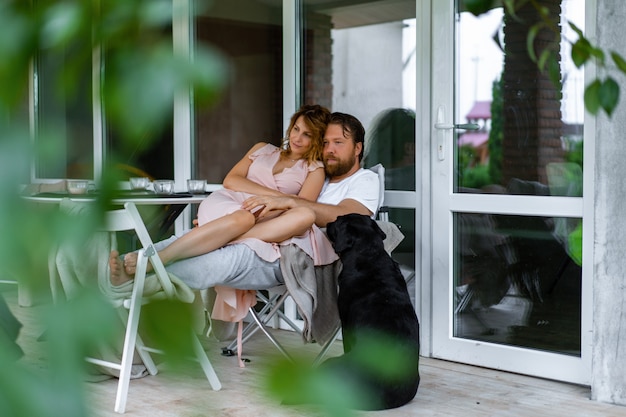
<point x="375" y="312"/>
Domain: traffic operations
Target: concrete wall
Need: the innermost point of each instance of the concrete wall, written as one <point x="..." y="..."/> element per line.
<point x="367" y="70"/>
<point x="609" y="277"/>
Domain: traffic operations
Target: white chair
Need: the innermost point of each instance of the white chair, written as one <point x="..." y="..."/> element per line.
<point x="273" y="304"/>
<point x="128" y="219"/>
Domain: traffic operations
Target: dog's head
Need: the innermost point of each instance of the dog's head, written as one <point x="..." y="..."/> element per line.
<point x="354" y="229"/>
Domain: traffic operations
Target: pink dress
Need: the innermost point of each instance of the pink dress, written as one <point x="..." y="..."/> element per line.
<point x="230" y="304"/>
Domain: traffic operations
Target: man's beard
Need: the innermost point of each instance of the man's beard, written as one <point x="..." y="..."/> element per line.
<point x="340" y="168"/>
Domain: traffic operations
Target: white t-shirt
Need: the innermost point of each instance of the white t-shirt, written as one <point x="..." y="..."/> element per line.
<point x="362" y="186"/>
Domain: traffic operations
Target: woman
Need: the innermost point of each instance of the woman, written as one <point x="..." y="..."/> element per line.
<point x="264" y="170"/>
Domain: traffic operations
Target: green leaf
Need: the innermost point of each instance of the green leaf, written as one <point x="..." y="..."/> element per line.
<point x="554" y="72"/>
<point x="530" y="41"/>
<point x="581" y="51"/>
<point x="543" y="59"/>
<point x="544" y="11"/>
<point x="576" y="29"/>
<point x="609" y="95"/>
<point x="592" y="97"/>
<point x="619" y="61"/>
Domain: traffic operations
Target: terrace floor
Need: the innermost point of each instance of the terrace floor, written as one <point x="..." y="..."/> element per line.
<point x="446" y="389"/>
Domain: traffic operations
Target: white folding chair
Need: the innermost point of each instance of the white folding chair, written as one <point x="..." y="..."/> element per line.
<point x="273" y="305"/>
<point x="128" y="219"/>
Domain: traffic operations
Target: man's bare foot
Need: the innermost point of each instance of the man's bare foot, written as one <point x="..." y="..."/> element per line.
<point x="118" y="273"/>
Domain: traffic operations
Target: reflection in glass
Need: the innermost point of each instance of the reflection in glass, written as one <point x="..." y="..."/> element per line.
<point x="360" y="58"/>
<point x="69" y="152"/>
<point x="249" y="34"/>
<point x="518" y="281"/>
<point x="391" y="142"/>
<point x="527" y="123"/>
<point x="152" y="154"/>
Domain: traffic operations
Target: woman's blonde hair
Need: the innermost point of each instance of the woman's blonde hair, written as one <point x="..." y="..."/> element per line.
<point x="316" y="117"/>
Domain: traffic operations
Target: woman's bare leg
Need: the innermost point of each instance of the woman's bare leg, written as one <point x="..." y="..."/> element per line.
<point x="208" y="237"/>
<point x="200" y="240"/>
<point x="292" y="222"/>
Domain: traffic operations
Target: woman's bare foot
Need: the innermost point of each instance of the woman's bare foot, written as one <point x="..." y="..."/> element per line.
<point x="118" y="272"/>
<point x="130" y="264"/>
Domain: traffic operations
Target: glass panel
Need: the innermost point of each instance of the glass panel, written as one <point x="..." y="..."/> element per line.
<point x="152" y="155"/>
<point x="249" y="33"/>
<point x="64" y="121"/>
<point x="360" y="58"/>
<point x="518" y="281"/>
<point x="529" y="129"/>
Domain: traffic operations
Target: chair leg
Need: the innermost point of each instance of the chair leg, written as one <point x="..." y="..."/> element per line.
<point x="275" y="303"/>
<point x="251" y="327"/>
<point x="216" y="385"/>
<point x="130" y="338"/>
<point x="270" y="336"/>
<point x="127" y="362"/>
<point x="145" y="356"/>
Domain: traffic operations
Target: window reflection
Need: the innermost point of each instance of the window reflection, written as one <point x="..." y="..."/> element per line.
<point x="518" y="280"/>
<point x="64" y="121"/>
<point x="249" y="34"/>
<point x="528" y="124"/>
<point x="360" y="58"/>
<point x="152" y="153"/>
<point x="391" y="141"/>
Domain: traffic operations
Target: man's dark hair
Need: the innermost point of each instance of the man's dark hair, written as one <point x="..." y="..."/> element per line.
<point x="352" y="128"/>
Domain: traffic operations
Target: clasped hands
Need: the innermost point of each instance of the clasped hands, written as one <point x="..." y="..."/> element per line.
<point x="262" y="205"/>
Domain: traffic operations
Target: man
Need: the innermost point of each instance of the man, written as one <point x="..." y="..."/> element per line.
<point x="348" y="189"/>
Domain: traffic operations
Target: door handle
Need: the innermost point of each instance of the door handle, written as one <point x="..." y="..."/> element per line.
<point x="443" y="128"/>
<point x="463" y="126"/>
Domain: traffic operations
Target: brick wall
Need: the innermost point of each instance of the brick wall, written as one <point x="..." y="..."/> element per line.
<point x="317" y="68"/>
<point x="532" y="109"/>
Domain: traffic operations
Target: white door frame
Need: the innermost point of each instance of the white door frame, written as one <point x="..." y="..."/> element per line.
<point x="444" y="203"/>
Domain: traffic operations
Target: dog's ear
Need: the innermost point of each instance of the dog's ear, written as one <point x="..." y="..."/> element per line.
<point x="338" y="233"/>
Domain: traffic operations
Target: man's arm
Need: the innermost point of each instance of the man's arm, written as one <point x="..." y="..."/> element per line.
<point x="324" y="213"/>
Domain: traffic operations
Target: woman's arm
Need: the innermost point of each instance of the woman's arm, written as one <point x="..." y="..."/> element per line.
<point x="236" y="178"/>
<point x="313" y="184"/>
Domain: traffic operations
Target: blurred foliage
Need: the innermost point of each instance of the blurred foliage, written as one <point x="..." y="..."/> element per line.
<point x="336" y="386"/>
<point x="472" y="174"/>
<point x="575" y="151"/>
<point x="140" y="77"/>
<point x="603" y="92"/>
<point x="476" y="177"/>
